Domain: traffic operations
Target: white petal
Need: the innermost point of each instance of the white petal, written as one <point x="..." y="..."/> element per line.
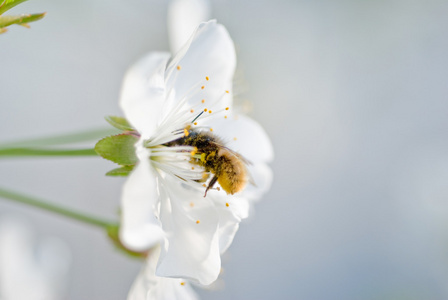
<point x="231" y="209"/>
<point x="237" y="204"/>
<point x="140" y="229"/>
<point x="192" y="247"/>
<point x="184" y="17"/>
<point x="148" y="286"/>
<point x="245" y="136"/>
<point x="143" y="92"/>
<point x="209" y="53"/>
<point x="228" y="226"/>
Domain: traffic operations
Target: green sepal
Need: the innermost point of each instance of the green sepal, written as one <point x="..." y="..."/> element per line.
<point x="118" y="148"/>
<point x="113" y="233"/>
<point x="19" y="20"/>
<point x="8" y="4"/>
<point x="123" y="171"/>
<point x="119" y="123"/>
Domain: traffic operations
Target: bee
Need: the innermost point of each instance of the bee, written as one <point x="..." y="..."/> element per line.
<point x="227" y="166"/>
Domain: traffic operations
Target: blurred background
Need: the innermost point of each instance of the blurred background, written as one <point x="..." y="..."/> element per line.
<point x="352" y="93"/>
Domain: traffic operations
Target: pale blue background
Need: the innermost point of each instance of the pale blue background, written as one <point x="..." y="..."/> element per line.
<point x="353" y="93"/>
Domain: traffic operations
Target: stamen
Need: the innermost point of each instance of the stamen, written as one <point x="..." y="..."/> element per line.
<point x="216" y="112"/>
<point x="182" y="283"/>
<point x="202" y="87"/>
<point x="227" y="204"/>
<point x="210" y="111"/>
<point x="178" y="68"/>
<point x="186" y="133"/>
<point x="192" y="111"/>
<point x="205" y="109"/>
<point x="194" y="151"/>
<point x="203" y="101"/>
<point x="206" y="78"/>
<point x="197" y="222"/>
<point x="195" y="123"/>
<point x="191" y="204"/>
<point x="211" y="129"/>
<point x="234" y="138"/>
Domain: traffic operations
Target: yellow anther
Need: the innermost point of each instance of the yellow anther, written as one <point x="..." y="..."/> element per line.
<point x="178" y="68"/>
<point x="227" y="204"/>
<point x="202" y="87"/>
<point x="197" y="222"/>
<point x="227" y="92"/>
<point x="192" y="168"/>
<point x="210" y="111"/>
<point x="205" y="109"/>
<point x="203" y="101"/>
<point x="225" y="117"/>
<point x="194" y="151"/>
<point x="204" y="185"/>
<point x="203" y="157"/>
<point x="195" y="123"/>
<point x="234" y="138"/>
<point x="191" y="204"/>
<point x="206" y="78"/>
<point x="186" y="132"/>
<point x="227" y="108"/>
<point x="182" y="283"/>
<point x="218" y="188"/>
<point x="192" y="111"/>
<point x="211" y="129"/>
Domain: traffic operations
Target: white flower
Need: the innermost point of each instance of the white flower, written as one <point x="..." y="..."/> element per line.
<point x="162" y="200"/>
<point x="28" y="271"/>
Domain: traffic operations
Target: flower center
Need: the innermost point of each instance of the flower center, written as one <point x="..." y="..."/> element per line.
<point x="181" y="143"/>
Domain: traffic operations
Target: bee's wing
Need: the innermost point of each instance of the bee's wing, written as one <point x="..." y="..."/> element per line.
<point x="242" y="158"/>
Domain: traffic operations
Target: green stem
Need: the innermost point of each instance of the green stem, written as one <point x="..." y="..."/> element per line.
<point x="56" y="209"/>
<point x="46" y="152"/>
<point x="70" y="138"/>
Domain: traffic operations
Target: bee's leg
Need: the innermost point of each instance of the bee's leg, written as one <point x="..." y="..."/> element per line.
<point x="211" y="184"/>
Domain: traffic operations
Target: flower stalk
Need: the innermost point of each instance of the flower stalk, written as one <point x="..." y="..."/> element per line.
<point x="62" y="211"/>
<point x="70" y="138"/>
<point x="11" y="152"/>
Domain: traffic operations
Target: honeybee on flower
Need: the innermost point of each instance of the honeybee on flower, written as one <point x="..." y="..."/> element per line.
<point x="189" y="141"/>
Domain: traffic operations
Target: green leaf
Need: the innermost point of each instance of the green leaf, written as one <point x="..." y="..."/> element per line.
<point x="119" y="123"/>
<point x="123" y="171"/>
<point x="8" y="4"/>
<point x="19" y="20"/>
<point x="118" y="148"/>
